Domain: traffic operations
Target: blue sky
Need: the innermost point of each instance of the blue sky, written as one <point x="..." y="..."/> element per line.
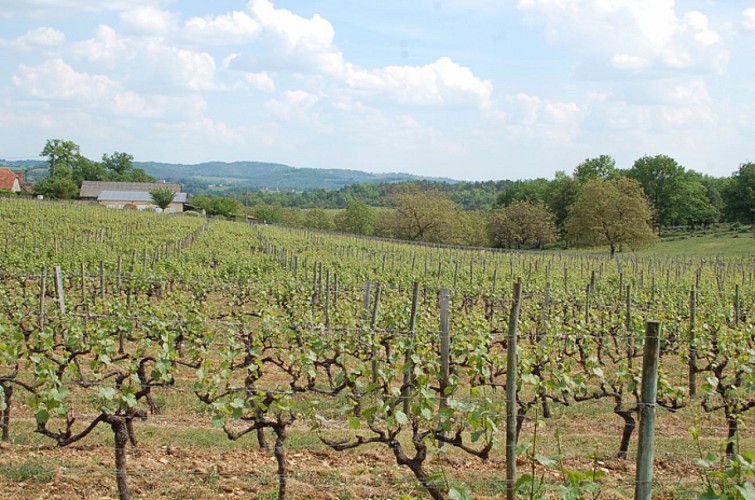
<point x="466" y="89"/>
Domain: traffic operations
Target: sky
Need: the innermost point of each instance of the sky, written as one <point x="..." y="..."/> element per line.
<point x="463" y="89"/>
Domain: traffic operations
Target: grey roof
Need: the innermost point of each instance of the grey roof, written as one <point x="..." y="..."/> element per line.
<point x="92" y="189"/>
<point x="139" y="196"/>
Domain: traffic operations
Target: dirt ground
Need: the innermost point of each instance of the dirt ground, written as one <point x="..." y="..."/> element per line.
<point x="244" y="471"/>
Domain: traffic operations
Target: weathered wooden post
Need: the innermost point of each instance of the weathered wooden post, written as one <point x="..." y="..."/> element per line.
<point x="511" y="406"/>
<point x="644" y="477"/>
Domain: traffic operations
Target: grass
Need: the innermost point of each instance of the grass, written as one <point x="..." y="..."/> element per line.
<point x="31" y="471"/>
<point x="728" y="241"/>
<point x="706" y="245"/>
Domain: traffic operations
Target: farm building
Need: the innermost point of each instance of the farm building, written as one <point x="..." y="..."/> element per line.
<point x="12" y="181"/>
<point x="139" y="200"/>
<point x="90" y="190"/>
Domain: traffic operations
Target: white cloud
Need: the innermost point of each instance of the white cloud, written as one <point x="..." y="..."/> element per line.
<point x="440" y="82"/>
<point x="643" y="37"/>
<point x="149" y="20"/>
<point x="531" y="110"/>
<point x="43" y="37"/>
<point x="107" y="47"/>
<point x="234" y="28"/>
<point x="57" y="9"/>
<point x="292" y="103"/>
<point x="748" y="21"/>
<point x="305" y="44"/>
<point x="629" y="62"/>
<point x="54" y="80"/>
<point x="292" y="32"/>
<point x="260" y="81"/>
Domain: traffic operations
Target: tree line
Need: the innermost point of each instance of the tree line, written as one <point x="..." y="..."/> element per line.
<point x="598" y="204"/>
<point x="68" y="168"/>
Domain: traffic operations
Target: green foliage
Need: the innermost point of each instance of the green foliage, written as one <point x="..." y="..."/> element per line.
<point x="424" y="216"/>
<point x="610" y="212"/>
<point x="740" y="195"/>
<point x="602" y="167"/>
<point x="162" y="197"/>
<point x="62" y="155"/>
<point x="56" y="188"/>
<point x="679" y="197"/>
<point x="267" y="213"/>
<point x="356" y="218"/>
<point x="220" y="206"/>
<point x="725" y="478"/>
<point x="522" y="224"/>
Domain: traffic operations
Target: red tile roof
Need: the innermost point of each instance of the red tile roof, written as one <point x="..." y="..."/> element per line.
<point x="7" y="179"/>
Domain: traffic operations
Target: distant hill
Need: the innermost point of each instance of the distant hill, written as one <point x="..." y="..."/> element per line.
<point x="270" y="175"/>
<point x="252" y="174"/>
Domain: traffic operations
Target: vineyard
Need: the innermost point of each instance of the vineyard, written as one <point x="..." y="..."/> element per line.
<point x="145" y="355"/>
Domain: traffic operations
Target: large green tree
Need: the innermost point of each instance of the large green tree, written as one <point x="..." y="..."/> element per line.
<point x="613" y="212"/>
<point x="532" y="190"/>
<point x="562" y="193"/>
<point x="56" y="188"/>
<point x="357" y="218"/>
<point x="690" y="202"/>
<point x="120" y="168"/>
<point x="318" y="218"/>
<point x="162" y="197"/>
<point x="522" y="225"/>
<point x="222" y="206"/>
<point x="424" y="216"/>
<point x="740" y="195"/>
<point x="660" y="177"/>
<point x="266" y="213"/>
<point x="601" y="167"/>
<point x="61" y="156"/>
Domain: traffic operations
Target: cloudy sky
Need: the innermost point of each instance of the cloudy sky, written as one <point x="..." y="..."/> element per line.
<point x="467" y="89"/>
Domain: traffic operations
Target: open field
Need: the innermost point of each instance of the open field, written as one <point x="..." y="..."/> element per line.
<point x="147" y="342"/>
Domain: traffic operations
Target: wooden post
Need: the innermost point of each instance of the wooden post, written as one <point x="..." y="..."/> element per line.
<point x="408" y="367"/>
<point x="83" y="286"/>
<point x="737" y="305"/>
<point x="692" y="363"/>
<point x="545" y="313"/>
<point x="59" y="290"/>
<point x="587" y="305"/>
<point x="42" y="293"/>
<point x="327" y="299"/>
<point x="644" y="478"/>
<point x="373" y="323"/>
<point x="102" y="280"/>
<point x="511" y="403"/>
<point x="119" y="279"/>
<point x="445" y="343"/>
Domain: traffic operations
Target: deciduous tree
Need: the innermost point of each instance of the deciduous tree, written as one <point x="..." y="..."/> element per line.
<point x="162" y="197"/>
<point x="660" y="177"/>
<point x="61" y="155"/>
<point x="611" y="212"/>
<point x="522" y="225"/>
<point x="424" y="216"/>
<point x="740" y="195"/>
<point x="602" y="167"/>
<point x="357" y="218"/>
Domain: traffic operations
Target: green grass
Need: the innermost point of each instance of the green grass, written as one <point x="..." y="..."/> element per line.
<point x="31" y="471"/>
<point x="727" y="241"/>
<point x="706" y="245"/>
